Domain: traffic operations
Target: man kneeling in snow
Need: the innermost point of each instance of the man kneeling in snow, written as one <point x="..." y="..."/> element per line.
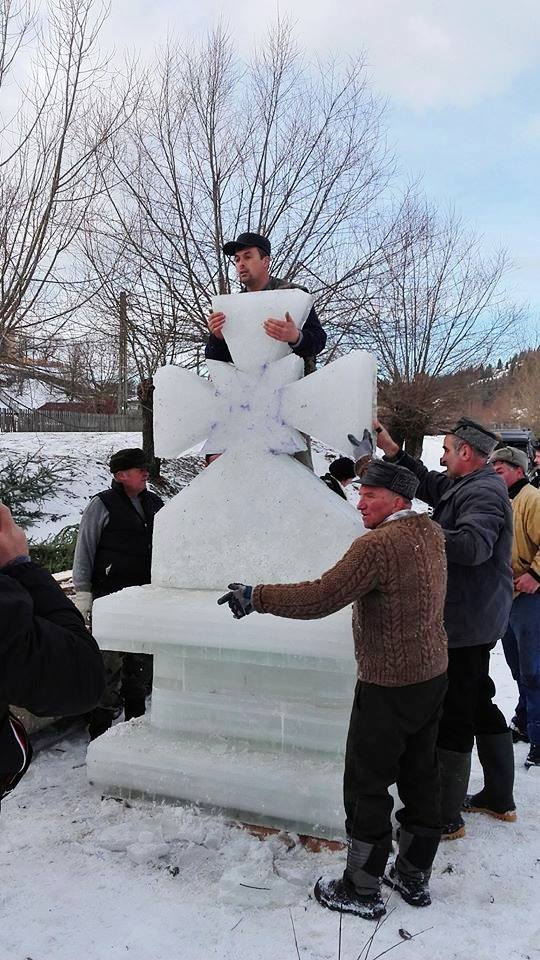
<point x="395" y="576"/>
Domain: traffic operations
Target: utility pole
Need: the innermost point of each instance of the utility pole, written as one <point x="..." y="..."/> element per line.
<point x="122" y="354"/>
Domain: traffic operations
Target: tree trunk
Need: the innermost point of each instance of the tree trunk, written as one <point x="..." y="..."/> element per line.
<point x="145" y="394"/>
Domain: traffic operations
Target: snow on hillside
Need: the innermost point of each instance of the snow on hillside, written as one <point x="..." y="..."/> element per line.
<point x="83" y="459"/>
<point x="30" y="394"/>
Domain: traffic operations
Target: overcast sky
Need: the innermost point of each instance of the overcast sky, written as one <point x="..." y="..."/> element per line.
<point x="462" y="81"/>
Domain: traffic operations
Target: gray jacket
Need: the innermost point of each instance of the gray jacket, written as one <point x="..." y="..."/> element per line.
<point x="476" y="517"/>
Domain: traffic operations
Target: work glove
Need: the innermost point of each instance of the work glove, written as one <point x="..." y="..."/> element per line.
<point x="239" y="600"/>
<point x="361" y="448"/>
<point x="83" y="602"/>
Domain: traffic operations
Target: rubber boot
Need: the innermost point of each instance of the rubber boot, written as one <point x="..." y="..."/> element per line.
<point x="359" y="890"/>
<point x="455" y="769"/>
<point x="99" y="721"/>
<point x="411" y="872"/>
<point x="496" y="754"/>
<point x="134" y="707"/>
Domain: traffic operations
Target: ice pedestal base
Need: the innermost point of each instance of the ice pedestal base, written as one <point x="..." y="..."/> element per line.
<point x="298" y="791"/>
<point x="248" y="716"/>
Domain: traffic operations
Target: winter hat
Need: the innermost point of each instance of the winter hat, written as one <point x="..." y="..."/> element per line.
<point x="342" y="468"/>
<point x="245" y="240"/>
<point x="513" y="456"/>
<point x="474" y="433"/>
<point x="126" y="459"/>
<point x="380" y="473"/>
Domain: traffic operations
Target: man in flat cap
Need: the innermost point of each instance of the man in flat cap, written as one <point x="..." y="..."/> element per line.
<point x="470" y="503"/>
<point x="521" y="641"/>
<point x="395" y="577"/>
<point x="251" y="253"/>
<point x="114" y="551"/>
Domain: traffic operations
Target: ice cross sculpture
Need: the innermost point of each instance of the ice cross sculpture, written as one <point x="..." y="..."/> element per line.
<point x="256" y="513"/>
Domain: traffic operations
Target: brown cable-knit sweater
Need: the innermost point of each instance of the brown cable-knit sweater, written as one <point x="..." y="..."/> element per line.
<point x="396" y="577"/>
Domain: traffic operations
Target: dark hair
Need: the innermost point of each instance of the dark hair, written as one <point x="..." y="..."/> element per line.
<point x="342" y="468"/>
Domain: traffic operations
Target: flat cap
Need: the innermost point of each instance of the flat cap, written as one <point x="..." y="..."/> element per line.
<point x="513" y="456"/>
<point x="126" y="459"/>
<point x="474" y="433"/>
<point x="380" y="473"/>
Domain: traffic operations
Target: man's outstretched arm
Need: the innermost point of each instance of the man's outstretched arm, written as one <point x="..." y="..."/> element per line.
<point x="351" y="577"/>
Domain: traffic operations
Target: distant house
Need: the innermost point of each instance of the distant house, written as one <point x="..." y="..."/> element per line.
<point x="105" y="405"/>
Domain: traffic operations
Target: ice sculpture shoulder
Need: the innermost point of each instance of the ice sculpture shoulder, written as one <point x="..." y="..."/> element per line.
<point x="256" y="511"/>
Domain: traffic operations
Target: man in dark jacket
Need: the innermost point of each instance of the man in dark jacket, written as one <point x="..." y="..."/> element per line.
<point x="49" y="663"/>
<point x="114" y="551"/>
<point x="470" y="502"/>
<point x="251" y="253"/>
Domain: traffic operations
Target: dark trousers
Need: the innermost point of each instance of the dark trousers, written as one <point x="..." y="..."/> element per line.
<point x="468" y="706"/>
<point x="128" y="677"/>
<point x="522" y="651"/>
<point x="392" y="739"/>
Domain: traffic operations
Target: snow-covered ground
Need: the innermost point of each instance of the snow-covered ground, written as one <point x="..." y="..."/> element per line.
<point x="94" y="878"/>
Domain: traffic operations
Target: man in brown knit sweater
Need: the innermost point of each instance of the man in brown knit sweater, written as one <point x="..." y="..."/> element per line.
<point x="395" y="577"/>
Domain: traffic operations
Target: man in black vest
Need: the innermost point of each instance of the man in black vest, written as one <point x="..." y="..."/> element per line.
<point x="114" y="551"/>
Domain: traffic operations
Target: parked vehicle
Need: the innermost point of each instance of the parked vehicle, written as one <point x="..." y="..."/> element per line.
<point x="522" y="439"/>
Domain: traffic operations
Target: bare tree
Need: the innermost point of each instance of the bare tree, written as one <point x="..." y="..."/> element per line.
<point x="436" y="307"/>
<point x="67" y="111"/>
<point x="275" y="145"/>
<point x="17" y="27"/>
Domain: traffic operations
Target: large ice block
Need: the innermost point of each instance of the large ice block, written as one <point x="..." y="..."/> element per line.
<point x="257" y="519"/>
<point x="239" y="709"/>
<point x="245" y="313"/>
<point x="300" y="791"/>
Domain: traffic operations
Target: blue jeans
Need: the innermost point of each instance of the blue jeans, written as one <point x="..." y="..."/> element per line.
<point x="521" y="644"/>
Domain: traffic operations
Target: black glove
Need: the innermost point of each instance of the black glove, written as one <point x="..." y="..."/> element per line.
<point x="239" y="600"/>
<point x="363" y="447"/>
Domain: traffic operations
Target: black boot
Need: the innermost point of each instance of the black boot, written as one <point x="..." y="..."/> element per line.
<point x="134" y="707"/>
<point x="455" y="770"/>
<point x="496" y="754"/>
<point x="411" y="872"/>
<point x="518" y="735"/>
<point x="533" y="758"/>
<point x="359" y="890"/>
<point x="99" y="721"/>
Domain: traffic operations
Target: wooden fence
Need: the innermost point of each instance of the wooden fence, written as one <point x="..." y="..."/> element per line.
<point x="39" y="421"/>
